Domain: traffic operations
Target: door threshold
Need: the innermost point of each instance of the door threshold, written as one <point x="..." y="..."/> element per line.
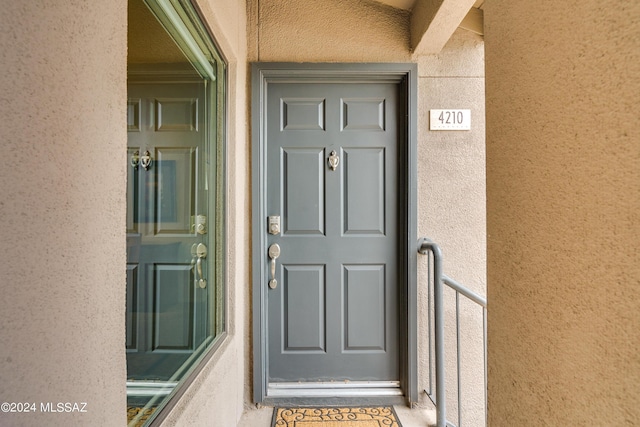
<point x="150" y="388"/>
<point x="335" y="389"/>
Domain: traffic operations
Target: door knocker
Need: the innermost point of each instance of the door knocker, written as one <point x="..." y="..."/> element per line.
<point x="333" y="160"/>
<point x="135" y="159"/>
<point x="145" y="160"/>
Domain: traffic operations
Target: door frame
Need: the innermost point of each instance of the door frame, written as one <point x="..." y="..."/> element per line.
<point x="405" y="75"/>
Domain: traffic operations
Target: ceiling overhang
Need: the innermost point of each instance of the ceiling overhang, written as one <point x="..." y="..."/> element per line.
<point x="399" y="4"/>
<point x="432" y="22"/>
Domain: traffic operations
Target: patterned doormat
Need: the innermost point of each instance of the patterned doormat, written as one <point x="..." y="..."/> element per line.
<point x="379" y="416"/>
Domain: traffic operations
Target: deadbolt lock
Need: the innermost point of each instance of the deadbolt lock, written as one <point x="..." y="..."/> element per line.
<point x="201" y="224"/>
<point x="274" y="224"/>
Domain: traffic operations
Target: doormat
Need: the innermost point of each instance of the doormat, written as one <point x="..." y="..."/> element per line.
<point x="364" y="416"/>
<point x="140" y="412"/>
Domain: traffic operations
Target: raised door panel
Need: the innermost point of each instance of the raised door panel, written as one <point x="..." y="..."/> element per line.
<point x="174" y="196"/>
<point x="364" y="308"/>
<point x="173" y="306"/>
<point x="364" y="191"/>
<point x="176" y="114"/>
<point x="303" y="191"/>
<point x="302" y="114"/>
<point x="303" y="308"/>
<point x="363" y="114"/>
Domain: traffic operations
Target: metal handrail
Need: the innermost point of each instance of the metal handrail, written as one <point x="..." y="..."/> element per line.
<point x="439" y="280"/>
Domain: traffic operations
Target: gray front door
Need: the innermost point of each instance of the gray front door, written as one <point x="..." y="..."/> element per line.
<point x="332" y="176"/>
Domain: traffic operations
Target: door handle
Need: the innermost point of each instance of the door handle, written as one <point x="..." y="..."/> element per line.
<point x="274" y="253"/>
<point x="201" y="252"/>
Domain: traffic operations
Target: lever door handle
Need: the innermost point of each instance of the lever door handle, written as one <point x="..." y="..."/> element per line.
<point x="274" y="253"/>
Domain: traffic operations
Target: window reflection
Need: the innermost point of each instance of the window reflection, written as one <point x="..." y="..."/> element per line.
<point x="174" y="279"/>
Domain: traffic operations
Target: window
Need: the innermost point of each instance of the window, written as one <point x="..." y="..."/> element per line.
<point x="175" y="203"/>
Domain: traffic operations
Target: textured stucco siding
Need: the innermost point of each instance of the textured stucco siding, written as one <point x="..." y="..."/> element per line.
<point x="563" y="168"/>
<point x="62" y="210"/>
<point x="451" y="210"/>
<point x="63" y="206"/>
<point x="327" y="31"/>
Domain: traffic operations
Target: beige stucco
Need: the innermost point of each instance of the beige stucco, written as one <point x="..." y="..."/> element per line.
<point x="62" y="210"/>
<point x="563" y="166"/>
<point x="327" y="31"/>
<point x="62" y="204"/>
<point x="451" y="208"/>
<point x="433" y="22"/>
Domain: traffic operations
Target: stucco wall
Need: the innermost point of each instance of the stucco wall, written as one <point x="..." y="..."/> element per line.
<point x="451" y="174"/>
<point x="563" y="166"/>
<point x="451" y="210"/>
<point x="62" y="204"/>
<point x="62" y="209"/>
<point x="327" y="31"/>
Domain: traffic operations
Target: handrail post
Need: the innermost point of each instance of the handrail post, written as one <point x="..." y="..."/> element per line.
<point x="438" y="295"/>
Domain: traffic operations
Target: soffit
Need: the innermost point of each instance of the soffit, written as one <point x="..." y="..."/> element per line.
<point x="408" y="4"/>
<point x="432" y="23"/>
<point x="148" y="41"/>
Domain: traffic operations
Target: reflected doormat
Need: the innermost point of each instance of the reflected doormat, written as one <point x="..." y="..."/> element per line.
<point x="364" y="416"/>
<point x="140" y="412"/>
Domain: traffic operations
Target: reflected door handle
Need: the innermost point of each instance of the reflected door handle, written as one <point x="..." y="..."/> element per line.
<point x="201" y="252"/>
<point x="274" y="253"/>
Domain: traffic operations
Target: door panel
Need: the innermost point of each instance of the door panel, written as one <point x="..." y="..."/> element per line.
<point x="304" y="308"/>
<point x="176" y="190"/>
<point x="334" y="314"/>
<point x="176" y="114"/>
<point x="364" y="191"/>
<point x="364" y="308"/>
<point x="303" y="191"/>
<point x="173" y="307"/>
<point x="363" y="114"/>
<point x="302" y="113"/>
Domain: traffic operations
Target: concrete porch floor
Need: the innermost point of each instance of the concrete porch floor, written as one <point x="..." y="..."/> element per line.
<point x="419" y="417"/>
